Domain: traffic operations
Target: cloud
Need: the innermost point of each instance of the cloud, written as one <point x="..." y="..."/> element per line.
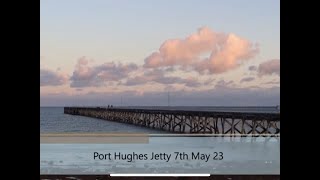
<point x="247" y="79"/>
<point x="227" y="52"/>
<point x="95" y="76"/>
<point x="274" y="82"/>
<point x="269" y="67"/>
<point x="209" y="81"/>
<point x="253" y="68"/>
<point x="222" y="84"/>
<point x="158" y="76"/>
<point x="191" y="82"/>
<point x="52" y="78"/>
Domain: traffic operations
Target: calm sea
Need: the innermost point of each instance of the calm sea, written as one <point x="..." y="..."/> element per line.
<point x="52" y="119"/>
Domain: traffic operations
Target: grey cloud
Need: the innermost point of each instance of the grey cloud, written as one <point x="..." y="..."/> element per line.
<point x="209" y="81"/>
<point x="192" y="82"/>
<point x="223" y="84"/>
<point x="52" y="78"/>
<point x="269" y="67"/>
<point x="95" y="76"/>
<point x="272" y="82"/>
<point x="247" y="79"/>
<point x="158" y="76"/>
<point x="253" y="68"/>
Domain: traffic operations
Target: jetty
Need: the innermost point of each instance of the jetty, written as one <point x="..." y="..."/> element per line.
<point x="187" y="121"/>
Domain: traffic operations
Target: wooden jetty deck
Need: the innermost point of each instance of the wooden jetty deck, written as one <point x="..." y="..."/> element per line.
<point x="187" y="121"/>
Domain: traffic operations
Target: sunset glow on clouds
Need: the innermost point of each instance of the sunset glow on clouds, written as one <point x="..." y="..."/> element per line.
<point x="227" y="52"/>
<point x="204" y="63"/>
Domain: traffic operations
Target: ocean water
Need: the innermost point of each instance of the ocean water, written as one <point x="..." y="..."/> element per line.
<point x="52" y="119"/>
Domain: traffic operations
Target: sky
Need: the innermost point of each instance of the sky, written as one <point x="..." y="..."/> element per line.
<point x="124" y="52"/>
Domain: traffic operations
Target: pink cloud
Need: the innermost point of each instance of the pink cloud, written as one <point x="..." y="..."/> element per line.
<point x="227" y="51"/>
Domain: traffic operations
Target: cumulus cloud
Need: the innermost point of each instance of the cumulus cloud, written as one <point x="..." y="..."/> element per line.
<point x="158" y="76"/>
<point x="52" y="78"/>
<point x="269" y="67"/>
<point x="247" y="79"/>
<point x="94" y="76"/>
<point x="227" y="51"/>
